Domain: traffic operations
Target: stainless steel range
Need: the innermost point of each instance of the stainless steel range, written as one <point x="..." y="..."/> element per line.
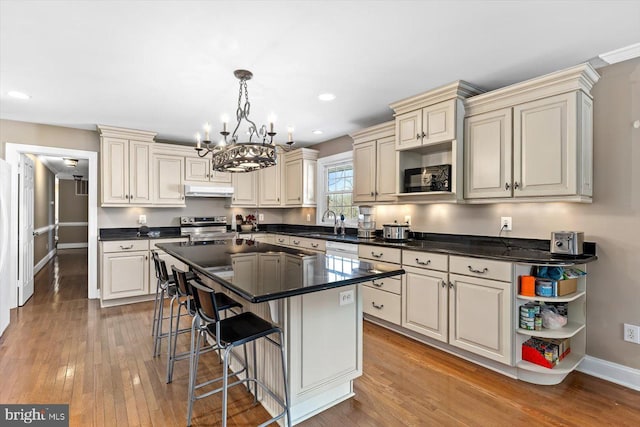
<point x="205" y="228"/>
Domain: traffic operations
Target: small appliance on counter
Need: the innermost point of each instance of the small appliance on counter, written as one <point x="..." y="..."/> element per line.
<point x="395" y="232"/>
<point x="205" y="228"/>
<point x="366" y="223"/>
<point x="567" y="242"/>
<point x="429" y="178"/>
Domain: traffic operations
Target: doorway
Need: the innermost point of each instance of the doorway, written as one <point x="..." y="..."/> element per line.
<point x="12" y="154"/>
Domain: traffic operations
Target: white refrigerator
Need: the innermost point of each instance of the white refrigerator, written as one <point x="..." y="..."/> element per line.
<point x="5" y="211"/>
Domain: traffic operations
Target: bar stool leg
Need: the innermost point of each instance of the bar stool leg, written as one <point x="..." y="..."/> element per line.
<point x="284" y="377"/>
<point x="255" y="373"/>
<point x="155" y="309"/>
<point x="193" y="377"/>
<point x="225" y="381"/>
<point x="158" y="337"/>
<point x="171" y="348"/>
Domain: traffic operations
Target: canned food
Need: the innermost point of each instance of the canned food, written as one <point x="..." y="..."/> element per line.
<point x="544" y="287"/>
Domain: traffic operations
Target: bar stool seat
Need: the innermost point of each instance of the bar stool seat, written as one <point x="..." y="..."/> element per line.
<point x="242" y="328"/>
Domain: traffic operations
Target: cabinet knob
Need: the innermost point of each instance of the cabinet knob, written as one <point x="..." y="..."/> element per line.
<point x="126" y="196"/>
<point x="443" y="284"/>
<point x="372" y="193"/>
<point x="298" y="198"/>
<point x="516" y="185"/>
<point x="450" y="285"/>
<point x="278" y="199"/>
<point x="506" y="186"/>
<point x="417" y="136"/>
<point x="424" y="135"/>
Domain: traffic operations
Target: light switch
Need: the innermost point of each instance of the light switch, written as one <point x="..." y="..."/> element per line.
<point x="142" y="219"/>
<point x="260" y="217"/>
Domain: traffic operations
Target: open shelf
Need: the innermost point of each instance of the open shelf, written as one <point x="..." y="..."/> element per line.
<point x="567" y="331"/>
<point x="426" y="193"/>
<point x="565" y="298"/>
<point x="566" y="365"/>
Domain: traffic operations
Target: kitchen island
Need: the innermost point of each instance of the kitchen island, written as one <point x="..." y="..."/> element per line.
<point x="314" y="298"/>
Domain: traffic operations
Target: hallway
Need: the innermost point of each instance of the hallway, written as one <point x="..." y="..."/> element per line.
<point x="62" y="348"/>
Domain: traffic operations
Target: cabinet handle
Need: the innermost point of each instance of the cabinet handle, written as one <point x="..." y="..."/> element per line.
<point x="443" y="284"/>
<point x="422" y="262"/>
<point x="424" y="135"/>
<point x="506" y="186"/>
<point x="126" y="247"/>
<point x="314" y="245"/>
<point x="483" y="271"/>
<point x="182" y="197"/>
<point x="516" y="185"/>
<point x="296" y="242"/>
<point x="379" y="285"/>
<point x="373" y="254"/>
<point x="376" y="193"/>
<point x="298" y="198"/>
<point x="126" y="196"/>
<point x="379" y="307"/>
<point x="450" y="285"/>
<point x="278" y="199"/>
<point x="372" y="193"/>
<point x="280" y="240"/>
<point x="146" y="257"/>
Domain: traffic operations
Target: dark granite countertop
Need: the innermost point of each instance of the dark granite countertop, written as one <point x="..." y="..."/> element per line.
<point x="245" y="267"/>
<point x="114" y="234"/>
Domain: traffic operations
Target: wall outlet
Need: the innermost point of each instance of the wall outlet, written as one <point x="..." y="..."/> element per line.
<point x="505" y="223"/>
<point x="346" y="297"/>
<point x="308" y="217"/>
<point x="142" y="219"/>
<point x="407" y="219"/>
<point x="260" y="217"/>
<point x="632" y="333"/>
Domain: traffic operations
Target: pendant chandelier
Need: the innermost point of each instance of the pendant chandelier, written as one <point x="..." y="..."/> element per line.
<point x="232" y="155"/>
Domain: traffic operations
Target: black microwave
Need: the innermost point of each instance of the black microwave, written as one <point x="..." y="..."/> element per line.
<point x="428" y="178"/>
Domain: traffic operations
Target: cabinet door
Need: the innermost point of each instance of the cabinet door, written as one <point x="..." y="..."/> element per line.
<point x="125" y="274"/>
<point x="544" y="147"/>
<point x="425" y="309"/>
<point x="245" y="271"/>
<point x="220" y="177"/>
<point x="487" y="156"/>
<point x="270" y="270"/>
<point x="245" y="189"/>
<point x="269" y="180"/>
<point x="197" y="169"/>
<point x="168" y="180"/>
<point x="480" y="317"/>
<point x="385" y="167"/>
<point x="293" y="182"/>
<point x="364" y="164"/>
<point x="139" y="172"/>
<point x="115" y="170"/>
<point x="438" y="122"/>
<point x="409" y="130"/>
<point x="309" y="173"/>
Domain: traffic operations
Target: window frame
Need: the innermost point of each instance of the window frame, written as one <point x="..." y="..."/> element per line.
<point x="324" y="163"/>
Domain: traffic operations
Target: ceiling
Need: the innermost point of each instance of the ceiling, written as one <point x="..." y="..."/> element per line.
<point x="168" y="66"/>
<point x="62" y="171"/>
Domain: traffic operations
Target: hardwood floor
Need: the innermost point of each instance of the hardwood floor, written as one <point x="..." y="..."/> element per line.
<point x="62" y="348"/>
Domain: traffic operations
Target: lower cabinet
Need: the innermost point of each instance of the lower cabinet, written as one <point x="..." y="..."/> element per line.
<point x="382" y="304"/>
<point x="426" y="297"/>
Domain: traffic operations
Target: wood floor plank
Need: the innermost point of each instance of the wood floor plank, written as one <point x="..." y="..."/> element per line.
<point x="62" y="348"/>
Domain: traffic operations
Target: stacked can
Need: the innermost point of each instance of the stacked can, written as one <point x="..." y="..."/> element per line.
<point x="528" y="314"/>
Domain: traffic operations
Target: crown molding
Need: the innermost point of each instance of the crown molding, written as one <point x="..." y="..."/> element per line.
<point x="622" y="54"/>
<point x="458" y="89"/>
<point x="116" y="132"/>
<point x="377" y="131"/>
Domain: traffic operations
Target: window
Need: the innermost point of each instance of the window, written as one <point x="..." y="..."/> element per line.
<point x="335" y="182"/>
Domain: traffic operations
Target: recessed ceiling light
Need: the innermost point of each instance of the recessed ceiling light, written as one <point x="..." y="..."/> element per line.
<point x="326" y="97"/>
<point x="317" y="132"/>
<point x="18" y="95"/>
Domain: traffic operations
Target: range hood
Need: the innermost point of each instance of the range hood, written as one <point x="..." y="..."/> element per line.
<point x="207" y="191"/>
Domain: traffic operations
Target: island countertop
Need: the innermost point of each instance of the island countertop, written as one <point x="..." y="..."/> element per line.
<point x="260" y="272"/>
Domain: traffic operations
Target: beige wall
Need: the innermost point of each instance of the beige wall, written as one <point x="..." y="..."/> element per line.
<point x="43" y="208"/>
<point x="334" y="146"/>
<point x="71" y="208"/>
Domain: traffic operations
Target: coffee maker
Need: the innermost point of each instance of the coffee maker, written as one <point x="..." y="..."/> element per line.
<point x="366" y="223"/>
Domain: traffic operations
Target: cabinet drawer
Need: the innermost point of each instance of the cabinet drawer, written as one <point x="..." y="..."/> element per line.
<point x="425" y="260"/>
<point x="478" y="267"/>
<point x="125" y="246"/>
<point x="389" y="284"/>
<point x="382" y="304"/>
<point x="314" y="244"/>
<point x="281" y="240"/>
<point x="380" y="253"/>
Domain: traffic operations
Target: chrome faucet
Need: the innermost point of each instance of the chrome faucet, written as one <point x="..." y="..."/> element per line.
<point x="327" y="214"/>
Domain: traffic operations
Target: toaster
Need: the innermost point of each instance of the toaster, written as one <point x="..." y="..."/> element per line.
<point x="567" y="242"/>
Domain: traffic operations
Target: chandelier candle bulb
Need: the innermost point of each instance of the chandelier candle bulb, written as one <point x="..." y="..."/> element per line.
<point x="207" y="128"/>
<point x="198" y="146"/>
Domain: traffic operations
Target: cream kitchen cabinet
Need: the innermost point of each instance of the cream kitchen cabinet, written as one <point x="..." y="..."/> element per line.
<point x="374" y="163"/>
<point x="125" y="269"/>
<point x="270" y="183"/>
<point x="480" y="308"/>
<point x="532" y="141"/>
<point x="125" y="166"/>
<point x="168" y="181"/>
<point x="429" y="125"/>
<point x="198" y="170"/>
<point x="245" y="189"/>
<point x="300" y="168"/>
<point x="382" y="299"/>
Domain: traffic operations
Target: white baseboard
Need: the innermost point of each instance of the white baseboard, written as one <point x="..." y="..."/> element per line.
<point x="43" y="261"/>
<point x="609" y="371"/>
<point x="72" y="245"/>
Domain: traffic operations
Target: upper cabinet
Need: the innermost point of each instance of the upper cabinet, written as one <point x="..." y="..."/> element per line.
<point x="245" y="189"/>
<point x="374" y="163"/>
<point x="270" y="183"/>
<point x="532" y="141"/>
<point x="168" y="182"/>
<point x="198" y="170"/>
<point x="125" y="166"/>
<point x="300" y="168"/>
<point x="428" y="143"/>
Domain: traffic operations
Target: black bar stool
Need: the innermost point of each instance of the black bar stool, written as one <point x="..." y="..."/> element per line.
<point x="229" y="333"/>
<point x="184" y="300"/>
